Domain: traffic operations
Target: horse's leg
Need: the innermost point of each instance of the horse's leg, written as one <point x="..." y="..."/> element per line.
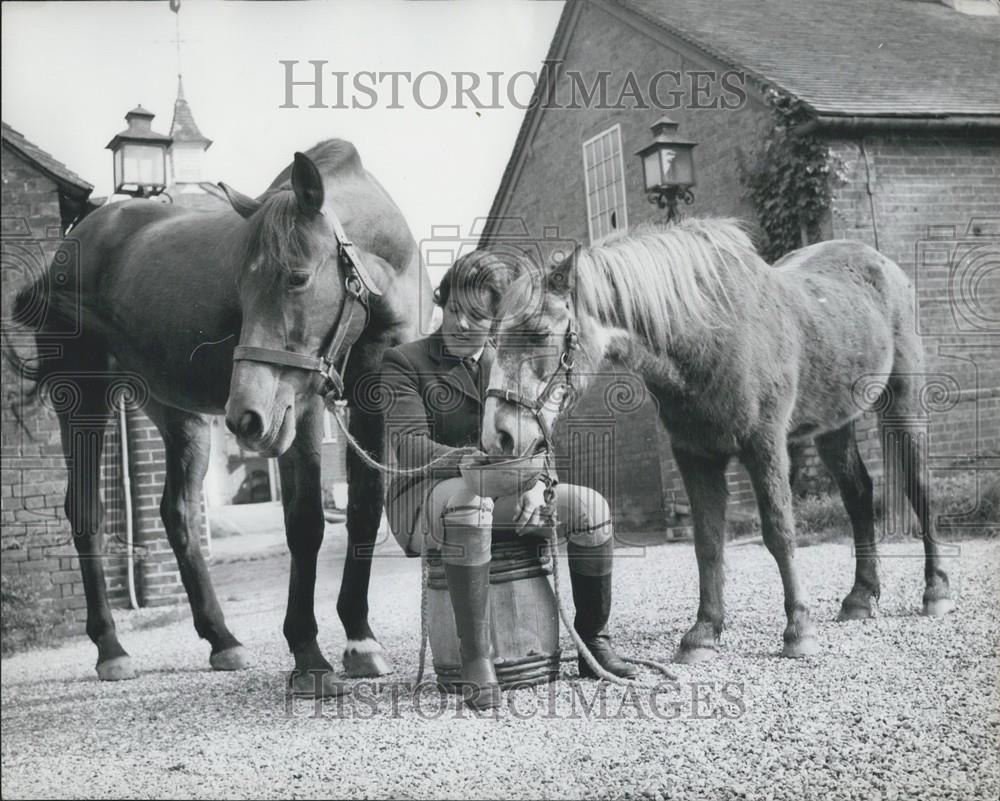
<point x="839" y="452"/>
<point x="363" y="654"/>
<point x="186" y="439"/>
<point x="82" y="430"/>
<point x="767" y="462"/>
<point x="302" y="497"/>
<point x="705" y="483"/>
<point x="903" y="443"/>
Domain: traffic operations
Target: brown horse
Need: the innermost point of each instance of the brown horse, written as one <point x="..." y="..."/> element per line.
<point x="742" y="359"/>
<point x="169" y="293"/>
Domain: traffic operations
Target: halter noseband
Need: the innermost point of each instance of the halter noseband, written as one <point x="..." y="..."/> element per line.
<point x="351" y="322"/>
<point x="571" y="341"/>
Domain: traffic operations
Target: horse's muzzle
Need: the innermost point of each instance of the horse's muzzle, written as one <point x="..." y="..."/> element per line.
<point x="249" y="428"/>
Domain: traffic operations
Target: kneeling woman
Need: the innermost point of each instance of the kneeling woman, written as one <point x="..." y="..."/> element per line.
<point x="435" y="389"/>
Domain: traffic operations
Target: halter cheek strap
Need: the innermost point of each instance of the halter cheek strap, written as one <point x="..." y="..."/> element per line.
<point x="351" y="323"/>
<point x="571" y="342"/>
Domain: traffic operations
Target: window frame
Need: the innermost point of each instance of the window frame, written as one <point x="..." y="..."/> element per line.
<point x="623" y="223"/>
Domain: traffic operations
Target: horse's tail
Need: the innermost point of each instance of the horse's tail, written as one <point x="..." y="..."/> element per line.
<point x="27" y="312"/>
<point x="36" y="310"/>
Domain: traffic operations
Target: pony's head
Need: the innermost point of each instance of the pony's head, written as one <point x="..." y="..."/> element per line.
<point x="541" y="365"/>
<point x="290" y="288"/>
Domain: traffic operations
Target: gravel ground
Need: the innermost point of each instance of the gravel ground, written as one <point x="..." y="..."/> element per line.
<point x="899" y="707"/>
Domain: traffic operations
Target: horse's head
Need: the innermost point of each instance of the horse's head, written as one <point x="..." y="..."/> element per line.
<point x="540" y="367"/>
<point x="290" y="291"/>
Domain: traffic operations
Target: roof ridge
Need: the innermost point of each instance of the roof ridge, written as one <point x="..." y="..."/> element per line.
<point x="43" y="160"/>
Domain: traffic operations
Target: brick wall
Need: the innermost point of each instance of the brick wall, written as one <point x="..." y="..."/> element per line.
<point x="935" y="206"/>
<point x="549" y="193"/>
<point x="35" y="537"/>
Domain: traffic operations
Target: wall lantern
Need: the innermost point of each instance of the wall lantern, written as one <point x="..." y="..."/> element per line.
<point x="140" y="156"/>
<point x="668" y="167"/>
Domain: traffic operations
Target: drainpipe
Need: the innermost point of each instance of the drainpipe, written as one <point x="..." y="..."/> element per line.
<point x="871" y="192"/>
<point x="127" y="489"/>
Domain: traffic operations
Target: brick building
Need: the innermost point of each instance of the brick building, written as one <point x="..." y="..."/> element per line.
<point x="902" y="94"/>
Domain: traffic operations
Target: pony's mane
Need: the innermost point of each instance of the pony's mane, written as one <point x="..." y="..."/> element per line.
<point x="280" y="237"/>
<point x="655" y="280"/>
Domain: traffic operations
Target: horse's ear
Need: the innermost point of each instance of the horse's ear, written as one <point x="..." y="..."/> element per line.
<point x="561" y="278"/>
<point x="244" y="206"/>
<point x="308" y="185"/>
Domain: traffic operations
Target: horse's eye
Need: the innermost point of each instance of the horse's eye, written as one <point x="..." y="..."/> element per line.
<point x="298" y="280"/>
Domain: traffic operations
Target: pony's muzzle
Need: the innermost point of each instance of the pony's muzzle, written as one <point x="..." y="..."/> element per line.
<point x="507" y="431"/>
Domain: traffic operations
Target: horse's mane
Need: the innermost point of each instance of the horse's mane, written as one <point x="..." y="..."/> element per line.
<point x="655" y="280"/>
<point x="280" y="237"/>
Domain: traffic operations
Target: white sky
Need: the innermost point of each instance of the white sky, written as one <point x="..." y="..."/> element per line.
<point x="72" y="70"/>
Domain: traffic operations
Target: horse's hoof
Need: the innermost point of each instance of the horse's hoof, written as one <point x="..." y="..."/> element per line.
<point x="365" y="659"/>
<point x="316" y="684"/>
<point x="117" y="669"/>
<point x="938" y="607"/>
<point x="857" y="612"/>
<point x="691" y="656"/>
<point x="801" y="648"/>
<point x="235" y="658"/>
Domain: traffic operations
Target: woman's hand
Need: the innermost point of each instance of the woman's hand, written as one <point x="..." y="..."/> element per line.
<point x="530" y="508"/>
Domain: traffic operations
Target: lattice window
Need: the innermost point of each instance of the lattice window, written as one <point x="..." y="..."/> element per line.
<point x="604" y="172"/>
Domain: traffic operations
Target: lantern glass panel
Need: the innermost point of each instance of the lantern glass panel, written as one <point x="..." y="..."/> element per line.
<point x="679" y="171"/>
<point x="651" y="170"/>
<point x="143" y="165"/>
<point x="119" y="178"/>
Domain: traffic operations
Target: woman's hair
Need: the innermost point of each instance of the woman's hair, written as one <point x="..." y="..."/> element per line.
<point x="479" y="279"/>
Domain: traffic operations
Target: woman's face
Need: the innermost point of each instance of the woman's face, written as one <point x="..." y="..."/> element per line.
<point x="465" y="324"/>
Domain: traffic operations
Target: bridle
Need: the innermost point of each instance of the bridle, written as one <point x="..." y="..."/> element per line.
<point x="571" y="342"/>
<point x="351" y="322"/>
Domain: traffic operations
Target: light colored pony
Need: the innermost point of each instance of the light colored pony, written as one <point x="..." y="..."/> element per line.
<point x="742" y="359"/>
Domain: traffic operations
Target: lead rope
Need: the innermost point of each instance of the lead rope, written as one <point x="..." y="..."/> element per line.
<point x="581" y="647"/>
<point x="338" y="411"/>
<point x="425" y="574"/>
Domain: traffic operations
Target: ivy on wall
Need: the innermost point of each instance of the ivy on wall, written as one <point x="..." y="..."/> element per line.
<point x="789" y="184"/>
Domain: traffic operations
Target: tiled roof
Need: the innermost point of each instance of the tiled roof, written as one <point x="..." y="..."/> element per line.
<point x="849" y="57"/>
<point x="59" y="172"/>
<point x="183" y="128"/>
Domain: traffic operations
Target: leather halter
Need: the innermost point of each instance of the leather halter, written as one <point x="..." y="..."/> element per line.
<point x="571" y="341"/>
<point x="351" y="322"/>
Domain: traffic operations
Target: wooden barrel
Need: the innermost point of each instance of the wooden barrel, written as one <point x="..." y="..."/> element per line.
<point x="524" y="618"/>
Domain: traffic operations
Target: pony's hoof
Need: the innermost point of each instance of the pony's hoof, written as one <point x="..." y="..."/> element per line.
<point x="856" y="611"/>
<point x="316" y="684"/>
<point x="801" y="648"/>
<point x="365" y="659"/>
<point x="117" y="669"/>
<point x="235" y="658"/>
<point x="938" y="607"/>
<point x="691" y="656"/>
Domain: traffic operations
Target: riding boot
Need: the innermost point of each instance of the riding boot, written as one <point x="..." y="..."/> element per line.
<point x="592" y="598"/>
<point x="469" y="590"/>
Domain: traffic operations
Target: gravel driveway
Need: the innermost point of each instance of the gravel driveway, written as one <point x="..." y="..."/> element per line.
<point x="899" y="707"/>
